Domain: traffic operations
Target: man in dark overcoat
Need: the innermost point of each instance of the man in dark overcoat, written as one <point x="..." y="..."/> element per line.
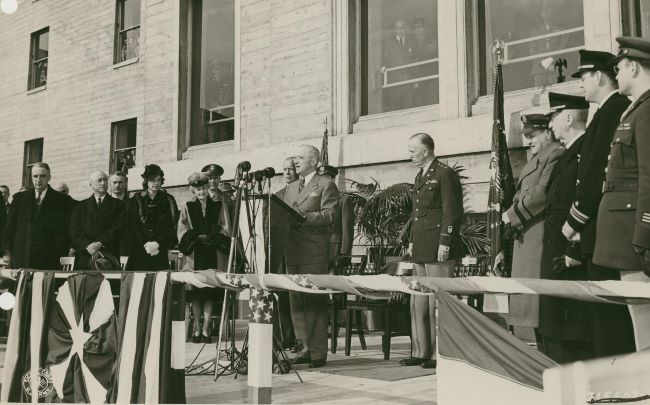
<point x="564" y="328"/>
<point x="623" y="227"/>
<point x="37" y="233"/>
<point x="611" y="324"/>
<point x="97" y="223"/>
<point x="435" y="242"/>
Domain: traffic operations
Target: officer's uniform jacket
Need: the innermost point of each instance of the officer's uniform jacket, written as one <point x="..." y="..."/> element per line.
<point x="562" y="318"/>
<point x="624" y="212"/>
<point x="437" y="213"/>
<point x="593" y="160"/>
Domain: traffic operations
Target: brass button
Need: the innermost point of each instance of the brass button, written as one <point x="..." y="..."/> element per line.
<point x="525" y="187"/>
<point x="628" y="205"/>
<point x="605" y="170"/>
<point x="609" y="157"/>
<point x="577" y="203"/>
<point x="577" y="181"/>
<point x="416" y="219"/>
<point x="618" y="139"/>
<point x="417" y="200"/>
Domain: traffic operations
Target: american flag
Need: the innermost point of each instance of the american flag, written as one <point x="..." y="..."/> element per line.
<point x="502" y="185"/>
<point x="324" y="156"/>
<point x="260" y="304"/>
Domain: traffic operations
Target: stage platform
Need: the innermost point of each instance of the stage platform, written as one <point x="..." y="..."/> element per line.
<point x="362" y="378"/>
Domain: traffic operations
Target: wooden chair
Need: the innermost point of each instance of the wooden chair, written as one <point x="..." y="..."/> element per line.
<point x="123" y="261"/>
<point x="67" y="263"/>
<point x="174" y="256"/>
<point x="355" y="305"/>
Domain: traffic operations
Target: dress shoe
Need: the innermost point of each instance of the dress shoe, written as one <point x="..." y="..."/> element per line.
<point x="196" y="338"/>
<point x="428" y="364"/>
<point x="302" y="360"/>
<point x="411" y="361"/>
<point x="203" y="338"/>
<point x="297" y="348"/>
<point x="317" y="363"/>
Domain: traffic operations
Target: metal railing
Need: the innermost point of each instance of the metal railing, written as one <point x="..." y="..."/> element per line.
<point x="507" y="60"/>
<point x="386" y="85"/>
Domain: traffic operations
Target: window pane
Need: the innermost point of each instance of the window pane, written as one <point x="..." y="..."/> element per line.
<point x="34" y="151"/>
<point x="643" y="18"/>
<point x="125" y="134"/>
<point x="219" y="132"/>
<point x="42" y="46"/>
<point x="40" y="73"/>
<point x="131" y="13"/>
<point x="537" y="35"/>
<point x="123" y="160"/>
<point x="129" y="44"/>
<point x="400" y="55"/>
<point x="213" y="79"/>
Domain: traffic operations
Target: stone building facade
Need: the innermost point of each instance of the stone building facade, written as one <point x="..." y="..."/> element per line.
<point x="284" y="70"/>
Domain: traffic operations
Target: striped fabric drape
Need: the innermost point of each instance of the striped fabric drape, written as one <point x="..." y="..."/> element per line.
<point x="67" y="339"/>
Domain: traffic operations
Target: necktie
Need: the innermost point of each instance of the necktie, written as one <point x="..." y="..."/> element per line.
<point x="38" y="199"/>
<point x="99" y="202"/>
<point x="301" y="185"/>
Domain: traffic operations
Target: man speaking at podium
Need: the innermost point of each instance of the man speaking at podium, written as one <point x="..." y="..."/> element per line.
<point x="316" y="198"/>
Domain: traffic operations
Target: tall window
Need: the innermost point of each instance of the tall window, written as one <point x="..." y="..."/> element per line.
<point x="399" y="54"/>
<point x="541" y="39"/>
<point x="123" y="135"/>
<point x="127" y="30"/>
<point x="40" y="42"/>
<point x="636" y="17"/>
<point x="33" y="154"/>
<point x="213" y="71"/>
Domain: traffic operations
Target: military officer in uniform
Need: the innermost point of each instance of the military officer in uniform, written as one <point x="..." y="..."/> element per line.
<point x="565" y="330"/>
<point x="526" y="217"/>
<point x="435" y="240"/>
<point x="611" y="325"/>
<point x="623" y="226"/>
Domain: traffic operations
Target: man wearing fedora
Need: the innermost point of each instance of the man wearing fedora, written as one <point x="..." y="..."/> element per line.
<point x="96" y="224"/>
<point x="611" y="324"/>
<point x="623" y="224"/>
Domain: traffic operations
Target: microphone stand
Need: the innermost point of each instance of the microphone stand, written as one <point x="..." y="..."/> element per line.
<point x="229" y="297"/>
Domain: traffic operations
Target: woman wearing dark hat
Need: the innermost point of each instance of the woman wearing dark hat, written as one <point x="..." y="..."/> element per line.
<point x="205" y="246"/>
<point x="151" y="225"/>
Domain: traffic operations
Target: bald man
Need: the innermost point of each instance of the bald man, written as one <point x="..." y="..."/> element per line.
<point x="316" y="198"/>
<point x="97" y="223"/>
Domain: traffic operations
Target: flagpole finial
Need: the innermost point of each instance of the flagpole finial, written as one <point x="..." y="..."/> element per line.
<point x="498" y="49"/>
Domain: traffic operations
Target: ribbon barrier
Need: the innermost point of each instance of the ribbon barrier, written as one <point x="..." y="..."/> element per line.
<point x="70" y="344"/>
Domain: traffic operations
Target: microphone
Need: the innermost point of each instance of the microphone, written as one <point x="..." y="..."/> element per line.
<point x="244" y="166"/>
<point x="269" y="172"/>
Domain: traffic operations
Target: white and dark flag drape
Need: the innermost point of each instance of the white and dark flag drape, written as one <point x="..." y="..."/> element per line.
<point x="70" y="343"/>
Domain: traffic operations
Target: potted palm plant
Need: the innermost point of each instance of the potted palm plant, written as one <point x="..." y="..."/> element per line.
<point x="383" y="219"/>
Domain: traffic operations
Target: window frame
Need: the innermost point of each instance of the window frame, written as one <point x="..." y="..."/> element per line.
<point x="119" y="30"/>
<point x="630" y="18"/>
<point x="27" y="165"/>
<point x="357" y="14"/>
<point x="112" y="163"/>
<point x="480" y="23"/>
<point x="34" y="42"/>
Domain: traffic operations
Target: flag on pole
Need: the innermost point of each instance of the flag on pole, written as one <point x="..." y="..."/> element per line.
<point x="502" y="185"/>
<point x="324" y="157"/>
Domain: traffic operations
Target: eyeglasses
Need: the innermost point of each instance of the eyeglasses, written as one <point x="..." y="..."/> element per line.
<point x="618" y="69"/>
